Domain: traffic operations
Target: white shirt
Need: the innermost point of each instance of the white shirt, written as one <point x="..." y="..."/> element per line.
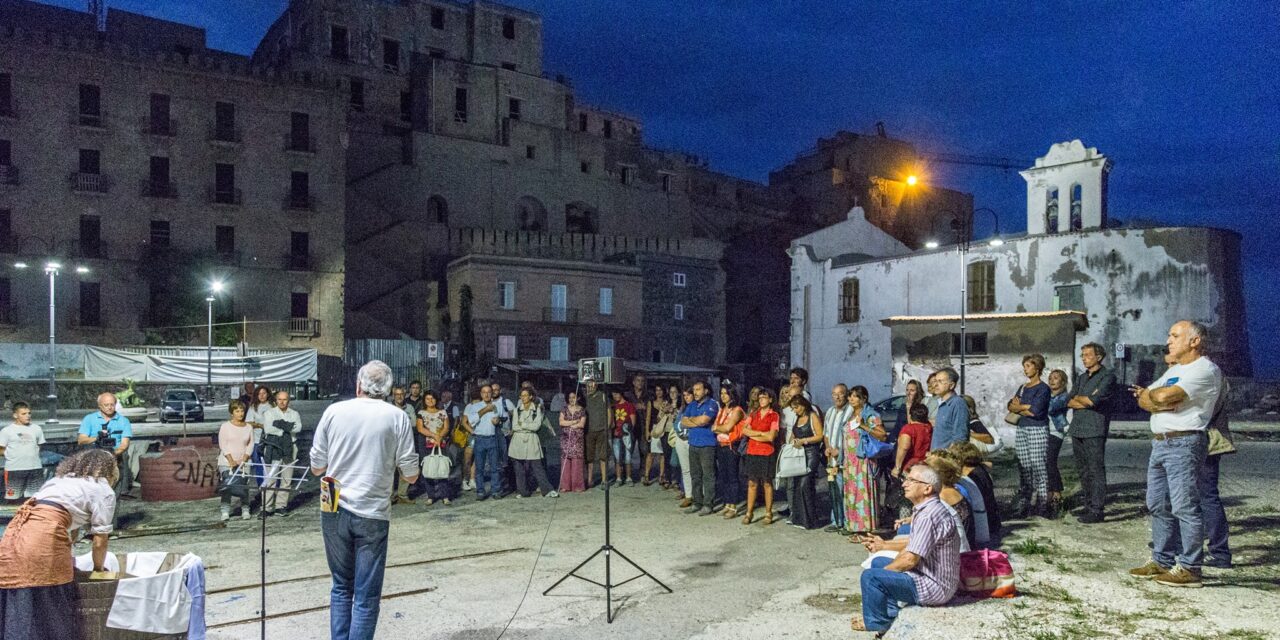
<point x="90" y="501"/>
<point x="21" y="446"/>
<point x="360" y="443"/>
<point x="482" y="425"/>
<point x="1202" y="382"/>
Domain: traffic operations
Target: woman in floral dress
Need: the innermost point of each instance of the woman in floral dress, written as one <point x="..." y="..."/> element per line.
<point x="860" y="473"/>
<point x="573" y="419"/>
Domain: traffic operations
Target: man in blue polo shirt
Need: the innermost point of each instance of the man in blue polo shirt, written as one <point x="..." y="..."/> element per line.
<point x="951" y="424"/>
<point x="106" y="429"/>
<point x="697" y="420"/>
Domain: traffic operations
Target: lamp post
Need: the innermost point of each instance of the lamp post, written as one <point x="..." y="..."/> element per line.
<point x="215" y="288"/>
<point x="963" y="224"/>
<point x="52" y="268"/>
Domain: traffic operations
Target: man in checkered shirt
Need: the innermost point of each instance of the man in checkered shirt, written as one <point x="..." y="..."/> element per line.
<point x="927" y="573"/>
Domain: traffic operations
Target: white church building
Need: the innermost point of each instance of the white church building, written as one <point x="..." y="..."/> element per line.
<point x="866" y="309"/>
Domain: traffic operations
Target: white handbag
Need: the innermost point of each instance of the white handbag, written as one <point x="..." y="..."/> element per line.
<point x="792" y="462"/>
<point x="436" y="465"/>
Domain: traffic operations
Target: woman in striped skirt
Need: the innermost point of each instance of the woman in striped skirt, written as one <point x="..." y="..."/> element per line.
<point x="1031" y="405"/>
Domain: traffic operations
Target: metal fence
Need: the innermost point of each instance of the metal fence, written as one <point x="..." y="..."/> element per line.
<point x="420" y="360"/>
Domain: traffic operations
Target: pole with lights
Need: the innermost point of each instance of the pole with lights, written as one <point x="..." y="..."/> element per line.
<point x="215" y="288"/>
<point x="963" y="224"/>
<point x="52" y="268"/>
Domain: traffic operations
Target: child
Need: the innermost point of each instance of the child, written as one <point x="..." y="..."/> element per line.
<point x="20" y="443"/>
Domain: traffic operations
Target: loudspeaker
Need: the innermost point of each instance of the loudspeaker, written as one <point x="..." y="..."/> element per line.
<point x="601" y="371"/>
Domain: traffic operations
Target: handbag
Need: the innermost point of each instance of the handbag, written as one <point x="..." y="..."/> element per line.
<point x="792" y="462"/>
<point x="987" y="573"/>
<point x="460" y="437"/>
<point x="1011" y="417"/>
<point x="1219" y="444"/>
<point x="869" y="447"/>
<point x="436" y="465"/>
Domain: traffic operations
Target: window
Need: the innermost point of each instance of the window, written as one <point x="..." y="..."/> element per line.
<point x="224" y="121"/>
<point x="338" y="42"/>
<point x="585" y="167"/>
<point x="390" y="55"/>
<point x="158" y="176"/>
<point x="299" y="305"/>
<point x="509" y="66"/>
<point x="608" y="128"/>
<point x="6" y="153"/>
<point x="1069" y="298"/>
<point x="678" y="279"/>
<point x="606" y="301"/>
<point x="460" y="104"/>
<point x="159" y="234"/>
<point x="224" y="240"/>
<point x="299" y="190"/>
<point x="604" y="347"/>
<point x="982" y="286"/>
<point x="90" y="236"/>
<point x="437" y="18"/>
<point x="406" y="106"/>
<point x="1051" y="211"/>
<point x="91" y="105"/>
<point x="656" y="356"/>
<point x="437" y="210"/>
<point x="666" y="183"/>
<point x="1077" y="208"/>
<point x="224" y="183"/>
<point x="506" y="295"/>
<point x="90" y="161"/>
<point x="582" y="122"/>
<point x="559" y="350"/>
<point x="6" y="94"/>
<point x="356" y="98"/>
<point x="299" y="250"/>
<point x="506" y="347"/>
<point x="90" y="304"/>
<point x="975" y="344"/>
<point x="849" y="306"/>
<point x="6" y="302"/>
<point x="530" y="152"/>
<point x="299" y="131"/>
<point x="6" y="231"/>
<point x="513" y="108"/>
<point x="679" y="311"/>
<point x="559" y="309"/>
<point x="509" y="28"/>
<point x="625" y="174"/>
<point x="158" y="123"/>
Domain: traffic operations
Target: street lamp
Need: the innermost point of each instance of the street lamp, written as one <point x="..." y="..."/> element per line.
<point x="51" y="269"/>
<point x="963" y="224"/>
<point x="215" y="288"/>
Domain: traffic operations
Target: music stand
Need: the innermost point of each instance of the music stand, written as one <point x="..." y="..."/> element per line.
<point x="273" y="473"/>
<point x="608" y="550"/>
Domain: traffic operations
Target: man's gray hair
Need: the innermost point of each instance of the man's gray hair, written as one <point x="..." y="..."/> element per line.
<point x="375" y="379"/>
<point x="928" y="476"/>
<point x="949" y="373"/>
<point x="1198" y="330"/>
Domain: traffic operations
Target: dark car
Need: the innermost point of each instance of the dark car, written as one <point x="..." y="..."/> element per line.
<point x="181" y="405"/>
<point x="888" y="410"/>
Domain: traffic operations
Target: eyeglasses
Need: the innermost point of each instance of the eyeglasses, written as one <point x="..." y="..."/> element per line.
<point x="910" y="479"/>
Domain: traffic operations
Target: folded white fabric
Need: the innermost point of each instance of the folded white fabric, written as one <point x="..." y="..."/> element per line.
<point x="150" y="602"/>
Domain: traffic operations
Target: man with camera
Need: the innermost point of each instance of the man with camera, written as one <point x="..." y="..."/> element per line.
<point x="105" y="429"/>
<point x="280" y="427"/>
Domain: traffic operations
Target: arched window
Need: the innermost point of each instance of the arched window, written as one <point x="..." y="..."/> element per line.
<point x="437" y="210"/>
<point x="1077" y="208"/>
<point x="1051" y="211"/>
<point x="580" y="217"/>
<point x="530" y="214"/>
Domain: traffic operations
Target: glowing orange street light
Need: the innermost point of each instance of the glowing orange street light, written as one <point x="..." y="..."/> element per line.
<point x="912" y="180"/>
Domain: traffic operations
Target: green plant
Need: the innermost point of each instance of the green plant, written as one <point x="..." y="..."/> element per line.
<point x="1034" y="546"/>
<point x="129" y="397"/>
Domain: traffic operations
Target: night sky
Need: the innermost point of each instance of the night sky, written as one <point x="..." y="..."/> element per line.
<point x="1182" y="96"/>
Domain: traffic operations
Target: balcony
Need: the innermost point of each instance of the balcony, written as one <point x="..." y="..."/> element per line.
<point x="299" y="202"/>
<point x="8" y="174"/>
<point x="299" y="143"/>
<point x="92" y="183"/>
<point x="157" y="189"/>
<point x="229" y="197"/>
<point x="159" y="127"/>
<point x="298" y="263"/>
<point x="560" y="315"/>
<point x="224" y="135"/>
<point x="92" y="120"/>
<point x="304" y="327"/>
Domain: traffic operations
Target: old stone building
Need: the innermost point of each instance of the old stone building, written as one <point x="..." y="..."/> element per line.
<point x="159" y="165"/>
<point x="868" y="310"/>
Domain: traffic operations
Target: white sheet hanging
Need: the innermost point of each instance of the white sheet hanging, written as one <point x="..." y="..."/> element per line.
<point x="150" y="602"/>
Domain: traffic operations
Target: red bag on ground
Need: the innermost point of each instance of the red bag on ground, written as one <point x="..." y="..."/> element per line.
<point x="986" y="573"/>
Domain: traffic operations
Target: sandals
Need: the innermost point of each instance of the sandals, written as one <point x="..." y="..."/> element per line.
<point x="768" y="519"/>
<point x="857" y="624"/>
<point x="747" y="518"/>
<point x="730" y="513"/>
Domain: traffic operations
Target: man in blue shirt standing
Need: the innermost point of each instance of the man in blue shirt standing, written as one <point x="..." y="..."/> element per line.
<point x="697" y="420"/>
<point x="106" y="429"/>
<point x="951" y="425"/>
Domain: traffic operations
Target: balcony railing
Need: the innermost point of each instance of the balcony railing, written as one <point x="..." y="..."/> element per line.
<point x="299" y="143"/>
<point x="8" y="174"/>
<point x="559" y="314"/>
<point x="224" y="134"/>
<point x="297" y="263"/>
<point x="304" y="327"/>
<point x="90" y="183"/>
<point x="157" y="189"/>
<point x="224" y="196"/>
<point x="299" y="202"/>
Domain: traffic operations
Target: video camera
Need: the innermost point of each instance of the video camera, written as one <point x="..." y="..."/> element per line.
<point x="105" y="440"/>
<point x="601" y="371"/>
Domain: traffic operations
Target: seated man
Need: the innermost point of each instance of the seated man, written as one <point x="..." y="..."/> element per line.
<point x="927" y="572"/>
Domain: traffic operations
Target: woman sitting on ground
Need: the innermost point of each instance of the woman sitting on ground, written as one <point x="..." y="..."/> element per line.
<point x="978" y="471"/>
<point x="949" y="474"/>
<point x="977" y="529"/>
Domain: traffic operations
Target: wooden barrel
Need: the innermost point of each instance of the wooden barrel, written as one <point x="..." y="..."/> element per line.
<point x="180" y="472"/>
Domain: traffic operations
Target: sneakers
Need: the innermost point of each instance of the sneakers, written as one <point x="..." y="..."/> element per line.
<point x="1148" y="571"/>
<point x="694" y="509"/>
<point x="1180" y="577"/>
<point x="468" y="485"/>
<point x="553" y="494"/>
<point x="1218" y="563"/>
<point x="244" y="513"/>
<point x="226" y="515"/>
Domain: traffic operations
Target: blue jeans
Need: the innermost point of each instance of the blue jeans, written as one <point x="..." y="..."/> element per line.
<point x="486" y="459"/>
<point x="622" y="448"/>
<point x="882" y="590"/>
<point x="356" y="549"/>
<point x="1173" y="498"/>
<point x="1215" y="516"/>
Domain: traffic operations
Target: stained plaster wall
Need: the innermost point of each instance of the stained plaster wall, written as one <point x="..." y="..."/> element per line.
<point x="1135" y="282"/>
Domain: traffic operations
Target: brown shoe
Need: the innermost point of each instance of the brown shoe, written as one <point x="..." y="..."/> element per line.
<point x="1180" y="577"/>
<point x="686" y="503"/>
<point x="1148" y="571"/>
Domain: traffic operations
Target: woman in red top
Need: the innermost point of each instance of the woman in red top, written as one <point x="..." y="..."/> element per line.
<point x="760" y="431"/>
<point x="913" y="441"/>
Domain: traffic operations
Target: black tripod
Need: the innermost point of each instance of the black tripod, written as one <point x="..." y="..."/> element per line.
<point x="608" y="550"/>
<point x="275" y="484"/>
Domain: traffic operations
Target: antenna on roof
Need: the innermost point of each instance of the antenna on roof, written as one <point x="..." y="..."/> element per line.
<point x="99" y="10"/>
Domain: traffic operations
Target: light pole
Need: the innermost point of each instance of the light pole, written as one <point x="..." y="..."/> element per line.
<point x="964" y="225"/>
<point x="52" y="268"/>
<point x="215" y="288"/>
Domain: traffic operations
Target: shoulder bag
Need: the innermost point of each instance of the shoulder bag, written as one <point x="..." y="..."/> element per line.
<point x="792" y="462"/>
<point x="1011" y="417"/>
<point x="436" y="465"/>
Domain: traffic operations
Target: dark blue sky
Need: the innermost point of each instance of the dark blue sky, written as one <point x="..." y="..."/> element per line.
<point x="1182" y="96"/>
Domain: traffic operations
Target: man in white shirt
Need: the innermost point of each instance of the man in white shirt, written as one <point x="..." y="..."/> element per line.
<point x="280" y="427"/>
<point x="482" y="419"/>
<point x="20" y="444"/>
<point x="833" y="427"/>
<point x="360" y="443"/>
<point x="1181" y="404"/>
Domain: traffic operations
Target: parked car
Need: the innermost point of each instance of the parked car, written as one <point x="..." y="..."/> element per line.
<point x="888" y="409"/>
<point x="181" y="405"/>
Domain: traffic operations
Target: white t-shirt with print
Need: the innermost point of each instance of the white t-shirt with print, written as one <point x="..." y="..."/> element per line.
<point x="1202" y="382"/>
<point x="21" y="446"/>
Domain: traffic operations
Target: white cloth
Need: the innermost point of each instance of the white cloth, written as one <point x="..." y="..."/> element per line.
<point x="1202" y="382"/>
<point x="360" y="443"/>
<point x="149" y="602"/>
<point x="21" y="444"/>
<point x="90" y="501"/>
<point x="270" y="416"/>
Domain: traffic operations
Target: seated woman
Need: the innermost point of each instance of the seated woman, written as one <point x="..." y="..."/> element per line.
<point x="948" y="472"/>
<point x="978" y="470"/>
<point x="38" y="595"/>
<point x="978" y="432"/>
